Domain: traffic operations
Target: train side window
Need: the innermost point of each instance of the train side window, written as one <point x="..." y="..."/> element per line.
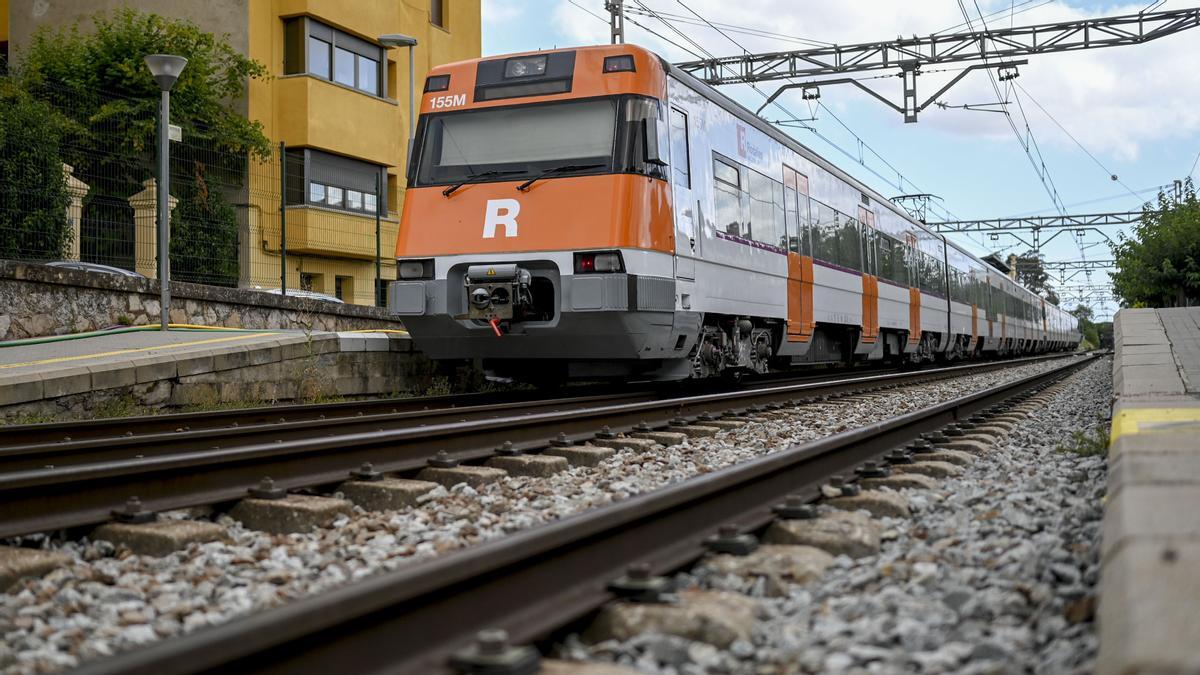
<point x="766" y="209"/>
<point x="680" y="154"/>
<point x="825" y="232"/>
<point x="727" y="199"/>
<point x="849" y="249"/>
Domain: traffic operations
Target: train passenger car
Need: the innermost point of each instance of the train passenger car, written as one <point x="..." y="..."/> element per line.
<point x="597" y="213"/>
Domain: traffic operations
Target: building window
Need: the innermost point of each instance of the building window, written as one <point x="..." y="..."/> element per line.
<point x="343" y="288"/>
<point x="307" y="281"/>
<point x="311" y="47"/>
<point x="322" y="179"/>
<point x="318" y="57"/>
<point x="437" y="13"/>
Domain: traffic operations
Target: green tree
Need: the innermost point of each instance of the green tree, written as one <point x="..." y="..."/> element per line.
<point x="1091" y="334"/>
<point x="98" y="81"/>
<point x="33" y="187"/>
<point x="1031" y="273"/>
<point x="1159" y="265"/>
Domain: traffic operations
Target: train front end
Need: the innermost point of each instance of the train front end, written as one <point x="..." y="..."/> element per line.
<point x="537" y="231"/>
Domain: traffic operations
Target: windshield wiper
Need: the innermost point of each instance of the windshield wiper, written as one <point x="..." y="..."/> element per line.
<point x="557" y="169"/>
<point x="476" y="176"/>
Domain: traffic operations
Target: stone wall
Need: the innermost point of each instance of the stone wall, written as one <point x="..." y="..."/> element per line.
<point x="37" y="301"/>
<point x="287" y="368"/>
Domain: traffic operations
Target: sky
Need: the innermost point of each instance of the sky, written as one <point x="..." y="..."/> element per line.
<point x="1131" y="112"/>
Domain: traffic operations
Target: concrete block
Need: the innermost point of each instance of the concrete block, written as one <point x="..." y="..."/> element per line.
<point x="1140" y="512"/>
<point x="295" y="349"/>
<point x="639" y="444"/>
<point x="997" y="430"/>
<point x="229" y="358"/>
<point x="160" y="538"/>
<point x="475" y="476"/>
<point x="1147" y="612"/>
<point x="932" y="469"/>
<point x="949" y="456"/>
<point x="16" y="563"/>
<point x="154" y="368"/>
<point x="696" y="430"/>
<point x="779" y="564"/>
<point x="718" y="618"/>
<point x="964" y="444"/>
<point x="878" y="503"/>
<point x="294" y="513"/>
<point x="840" y="533"/>
<point x="667" y="438"/>
<point x="21" y="388"/>
<point x="1148" y="468"/>
<point x="113" y="375"/>
<point x="556" y="667"/>
<point x="194" y="365"/>
<point x="388" y="494"/>
<point x="581" y="455"/>
<point x="66" y="381"/>
<point x="724" y="425"/>
<point x="899" y="481"/>
<point x="257" y="355"/>
<point x="530" y="465"/>
<point x="375" y="342"/>
<point x="351" y="342"/>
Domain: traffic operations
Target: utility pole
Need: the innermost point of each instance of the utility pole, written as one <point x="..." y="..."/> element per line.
<point x="616" y="20"/>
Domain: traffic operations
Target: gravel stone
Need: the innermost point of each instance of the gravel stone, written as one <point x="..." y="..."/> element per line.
<point x="994" y="572"/>
<point x="74" y="613"/>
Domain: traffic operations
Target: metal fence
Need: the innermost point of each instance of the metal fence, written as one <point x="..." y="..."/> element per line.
<point x="72" y="191"/>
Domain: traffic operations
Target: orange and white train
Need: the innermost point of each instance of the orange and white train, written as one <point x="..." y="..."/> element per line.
<point x="597" y="213"/>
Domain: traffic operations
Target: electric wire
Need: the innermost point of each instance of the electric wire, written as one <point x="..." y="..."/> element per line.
<point x="1087" y="152"/>
<point x="1012" y="11"/>
<point x="861" y="143"/>
<point x="734" y="28"/>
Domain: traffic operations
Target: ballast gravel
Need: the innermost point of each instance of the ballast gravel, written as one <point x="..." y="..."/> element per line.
<point x="110" y="600"/>
<point x="995" y="573"/>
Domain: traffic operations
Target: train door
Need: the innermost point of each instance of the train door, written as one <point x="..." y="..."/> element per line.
<point x="870" y="277"/>
<point x="687" y="218"/>
<point x="800" y="325"/>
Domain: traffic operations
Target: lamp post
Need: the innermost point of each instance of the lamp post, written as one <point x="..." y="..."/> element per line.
<point x="166" y="69"/>
<point x="399" y="40"/>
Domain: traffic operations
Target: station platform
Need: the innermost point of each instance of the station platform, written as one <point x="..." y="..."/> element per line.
<point x="194" y="366"/>
<point x="1150" y="564"/>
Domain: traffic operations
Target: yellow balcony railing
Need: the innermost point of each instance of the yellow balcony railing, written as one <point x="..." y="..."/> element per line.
<point x="326" y="232"/>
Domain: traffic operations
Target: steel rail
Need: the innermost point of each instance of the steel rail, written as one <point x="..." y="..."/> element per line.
<point x="534" y="582"/>
<point x="181" y="426"/>
<point x="86" y="492"/>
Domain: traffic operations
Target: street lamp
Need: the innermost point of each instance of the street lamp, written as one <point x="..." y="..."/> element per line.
<point x="166" y="69"/>
<point x="400" y="40"/>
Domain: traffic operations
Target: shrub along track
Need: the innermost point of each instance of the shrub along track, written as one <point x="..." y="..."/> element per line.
<point x="535" y="582"/>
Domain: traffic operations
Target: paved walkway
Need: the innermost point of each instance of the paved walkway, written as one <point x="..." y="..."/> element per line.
<point x="1150" y="578"/>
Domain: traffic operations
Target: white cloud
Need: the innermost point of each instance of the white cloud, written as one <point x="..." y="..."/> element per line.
<point x="496" y="12"/>
<point x="1113" y="100"/>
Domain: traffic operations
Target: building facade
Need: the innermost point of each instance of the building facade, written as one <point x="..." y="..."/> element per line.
<point x="338" y="101"/>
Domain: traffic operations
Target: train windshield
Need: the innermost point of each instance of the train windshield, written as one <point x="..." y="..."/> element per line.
<point x="509" y="143"/>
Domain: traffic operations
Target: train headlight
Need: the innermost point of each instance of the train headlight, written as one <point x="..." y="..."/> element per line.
<point x="602" y="261"/>
<point x="415" y="269"/>
<point x="525" y="67"/>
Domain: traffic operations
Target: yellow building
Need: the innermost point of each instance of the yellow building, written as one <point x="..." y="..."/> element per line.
<point x="337" y="98"/>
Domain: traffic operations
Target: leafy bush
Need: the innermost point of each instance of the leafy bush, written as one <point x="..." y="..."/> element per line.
<point x="33" y="186"/>
<point x="204" y="235"/>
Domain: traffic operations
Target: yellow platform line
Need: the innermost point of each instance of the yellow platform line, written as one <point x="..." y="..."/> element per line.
<point x="118" y="352"/>
<point x="1146" y="420"/>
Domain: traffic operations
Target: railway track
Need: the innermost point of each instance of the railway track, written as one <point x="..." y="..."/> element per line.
<point x="65" y="484"/>
<point x="534" y="583"/>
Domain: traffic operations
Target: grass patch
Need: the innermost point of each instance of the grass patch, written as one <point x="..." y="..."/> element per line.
<point x="1090" y="443"/>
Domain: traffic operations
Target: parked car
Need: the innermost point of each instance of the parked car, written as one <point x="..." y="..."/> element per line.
<point x="297" y="293"/>
<point x="94" y="267"/>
